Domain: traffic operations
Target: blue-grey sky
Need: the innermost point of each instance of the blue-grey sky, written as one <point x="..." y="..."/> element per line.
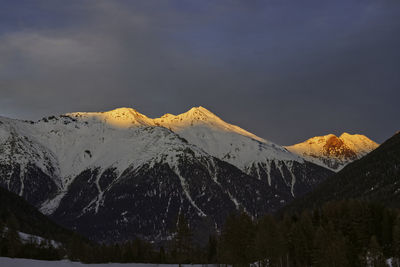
<point x="285" y="70"/>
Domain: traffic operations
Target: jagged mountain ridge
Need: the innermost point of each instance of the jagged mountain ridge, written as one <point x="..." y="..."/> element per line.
<point x="334" y="152"/>
<point x="86" y="169"/>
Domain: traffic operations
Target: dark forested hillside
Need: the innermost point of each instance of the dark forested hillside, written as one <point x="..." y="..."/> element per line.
<point x="375" y="177"/>
<point x="341" y="233"/>
<point x="28" y="219"/>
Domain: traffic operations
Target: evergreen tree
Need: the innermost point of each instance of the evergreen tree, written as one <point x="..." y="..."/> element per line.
<point x="138" y="250"/>
<point x="1" y="228"/>
<point x="285" y="225"/>
<point x="237" y="240"/>
<point x="386" y="229"/>
<point x="329" y="248"/>
<point x="373" y="257"/>
<point x="301" y="241"/>
<point x="127" y="252"/>
<point x="117" y="253"/>
<point x="269" y="242"/>
<point x="212" y="249"/>
<point x="396" y="242"/>
<point x="11" y="237"/>
<point x="183" y="241"/>
<point x="162" y="256"/>
<point x="2" y="240"/>
<point x="75" y="249"/>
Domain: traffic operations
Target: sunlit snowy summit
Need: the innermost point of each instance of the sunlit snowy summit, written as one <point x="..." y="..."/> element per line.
<point x="334" y="152"/>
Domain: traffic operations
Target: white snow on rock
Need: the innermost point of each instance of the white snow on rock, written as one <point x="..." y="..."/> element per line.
<point x="26" y="238"/>
<point x="29" y="238"/>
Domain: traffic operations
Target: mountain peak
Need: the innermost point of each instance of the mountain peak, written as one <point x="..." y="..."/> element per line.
<point x="345" y="134"/>
<point x="198" y="117"/>
<point x="332" y="151"/>
<point x="119" y="117"/>
<point x="199" y="109"/>
<point x="122" y="110"/>
<point x="361" y="144"/>
<point x="194" y="116"/>
<point x="199" y="113"/>
<point x="348" y="136"/>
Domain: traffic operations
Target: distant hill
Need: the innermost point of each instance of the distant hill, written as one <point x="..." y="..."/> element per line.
<point x="375" y="177"/>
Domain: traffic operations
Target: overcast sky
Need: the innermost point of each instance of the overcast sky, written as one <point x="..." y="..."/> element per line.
<point x="284" y="70"/>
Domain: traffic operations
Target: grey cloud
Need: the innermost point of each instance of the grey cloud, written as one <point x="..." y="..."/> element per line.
<point x="282" y="70"/>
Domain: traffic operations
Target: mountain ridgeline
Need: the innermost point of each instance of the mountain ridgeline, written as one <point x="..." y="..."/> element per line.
<point x="117" y="175"/>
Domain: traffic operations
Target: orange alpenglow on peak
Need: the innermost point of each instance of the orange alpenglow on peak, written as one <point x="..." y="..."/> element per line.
<point x="195" y="117"/>
<point x="198" y="116"/>
<point x="332" y="151"/>
<point x="120" y="117"/>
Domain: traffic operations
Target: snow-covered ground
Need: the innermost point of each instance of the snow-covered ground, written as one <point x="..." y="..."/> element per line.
<point x="28" y="238"/>
<point x="8" y="262"/>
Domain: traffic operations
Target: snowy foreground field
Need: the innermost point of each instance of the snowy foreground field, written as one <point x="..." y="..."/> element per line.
<point x="8" y="262"/>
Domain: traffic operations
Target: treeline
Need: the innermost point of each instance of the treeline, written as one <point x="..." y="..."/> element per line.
<point x="180" y="249"/>
<point x="345" y="233"/>
<point x="339" y="234"/>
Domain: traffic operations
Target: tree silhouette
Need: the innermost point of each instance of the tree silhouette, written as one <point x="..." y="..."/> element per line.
<point x="182" y="244"/>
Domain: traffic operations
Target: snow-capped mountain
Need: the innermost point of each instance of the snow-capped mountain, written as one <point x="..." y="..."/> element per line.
<point x="374" y="178"/>
<point x="108" y="173"/>
<point x="334" y="152"/>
